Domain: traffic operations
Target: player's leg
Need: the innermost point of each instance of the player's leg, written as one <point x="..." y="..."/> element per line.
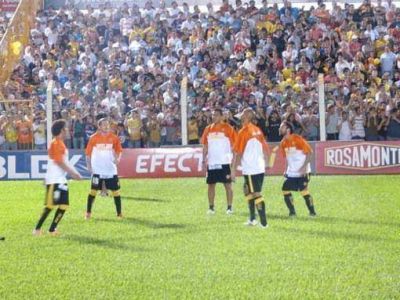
<point x="113" y="185"/>
<point x="211" y="198"/>
<point x="229" y="197"/>
<point x="307" y="196"/>
<point x="287" y="195"/>
<point x="61" y="198"/>
<point x="227" y="181"/>
<point x="96" y="185"/>
<point x="49" y="204"/>
<point x="257" y="182"/>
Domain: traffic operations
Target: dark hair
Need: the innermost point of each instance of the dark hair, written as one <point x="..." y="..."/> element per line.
<point x="57" y="127"/>
<point x="218" y="110"/>
<point x="289" y="125"/>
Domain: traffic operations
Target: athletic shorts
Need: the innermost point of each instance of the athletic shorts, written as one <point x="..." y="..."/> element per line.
<point x="111" y="183"/>
<point x="219" y="173"/>
<point x="296" y="183"/>
<point x="253" y="183"/>
<point x="56" y="194"/>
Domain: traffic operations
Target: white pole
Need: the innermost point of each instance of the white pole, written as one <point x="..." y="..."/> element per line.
<point x="49" y="111"/>
<point x="184" y="129"/>
<point x="321" y="101"/>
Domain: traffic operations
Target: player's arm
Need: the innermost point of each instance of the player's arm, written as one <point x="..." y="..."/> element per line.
<point x="117" y="150"/>
<point x="70" y="171"/>
<point x="308" y="152"/>
<point x="237" y="157"/>
<point x="204" y="142"/>
<point x="89" y="149"/>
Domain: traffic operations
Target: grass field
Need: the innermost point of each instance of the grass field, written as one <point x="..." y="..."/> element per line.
<point x="166" y="247"/>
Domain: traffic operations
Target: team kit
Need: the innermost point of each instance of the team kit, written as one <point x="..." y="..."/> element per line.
<point x="224" y="150"/>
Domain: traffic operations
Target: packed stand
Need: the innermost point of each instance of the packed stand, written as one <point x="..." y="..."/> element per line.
<point x="128" y="63"/>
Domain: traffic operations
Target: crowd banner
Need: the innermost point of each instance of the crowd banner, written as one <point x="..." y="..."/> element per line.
<point x="358" y="157"/>
<point x="328" y="158"/>
<point x="29" y="165"/>
<point x="8" y="5"/>
<point x="173" y="162"/>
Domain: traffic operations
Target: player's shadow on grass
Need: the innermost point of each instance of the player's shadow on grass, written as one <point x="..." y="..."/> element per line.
<point x="104" y="243"/>
<point x="335" y="235"/>
<point x="146" y="223"/>
<point x="143" y="199"/>
<point x="335" y="220"/>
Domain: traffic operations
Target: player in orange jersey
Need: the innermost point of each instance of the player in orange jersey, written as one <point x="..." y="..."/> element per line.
<point x="218" y="140"/>
<point x="297" y="152"/>
<point x="56" y="181"/>
<point x="103" y="154"/>
<point x="251" y="151"/>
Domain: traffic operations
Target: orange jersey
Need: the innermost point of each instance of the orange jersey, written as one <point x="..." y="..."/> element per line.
<point x="102" y="150"/>
<point x="295" y="149"/>
<point x="58" y="153"/>
<point x="251" y="144"/>
<point x="219" y="139"/>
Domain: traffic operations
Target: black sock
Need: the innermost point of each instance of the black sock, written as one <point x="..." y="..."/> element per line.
<point x="289" y="203"/>
<point x="211" y="206"/>
<point x="117" y="201"/>
<point x="229" y="207"/>
<point x="90" y="200"/>
<point x="262" y="214"/>
<point x="43" y="217"/>
<point x="310" y="204"/>
<point x="57" y="218"/>
<point x="252" y="209"/>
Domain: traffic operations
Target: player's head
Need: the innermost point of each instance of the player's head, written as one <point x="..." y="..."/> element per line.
<point x="247" y="115"/>
<point x="57" y="129"/>
<point x="286" y="128"/>
<point x="217" y="115"/>
<point x="103" y="125"/>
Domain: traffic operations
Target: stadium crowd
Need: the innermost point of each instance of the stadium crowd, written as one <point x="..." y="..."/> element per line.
<point x="128" y="63"/>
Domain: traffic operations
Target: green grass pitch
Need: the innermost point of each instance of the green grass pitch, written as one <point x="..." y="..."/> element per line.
<point x="166" y="247"/>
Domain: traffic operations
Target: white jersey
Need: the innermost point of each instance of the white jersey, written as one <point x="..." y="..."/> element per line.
<point x="57" y="153"/>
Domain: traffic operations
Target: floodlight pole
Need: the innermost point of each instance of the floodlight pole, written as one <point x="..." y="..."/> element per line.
<point x="184" y="129"/>
<point x="49" y="111"/>
<point x="321" y="102"/>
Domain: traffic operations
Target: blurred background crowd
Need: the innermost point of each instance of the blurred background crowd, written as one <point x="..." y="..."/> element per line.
<point x="128" y="63"/>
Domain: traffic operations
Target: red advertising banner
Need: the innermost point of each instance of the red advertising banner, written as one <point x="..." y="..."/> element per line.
<point x="171" y="162"/>
<point x="8" y="5"/>
<point x="358" y="157"/>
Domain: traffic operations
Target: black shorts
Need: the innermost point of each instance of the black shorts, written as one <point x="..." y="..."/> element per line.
<point x="111" y="184"/>
<point x="253" y="183"/>
<point x="56" y="194"/>
<point x="221" y="174"/>
<point x="296" y="183"/>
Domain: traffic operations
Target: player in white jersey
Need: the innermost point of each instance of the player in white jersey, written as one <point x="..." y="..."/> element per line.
<point x="218" y="140"/>
<point x="103" y="154"/>
<point x="251" y="151"/>
<point x="297" y="152"/>
<point x="56" y="182"/>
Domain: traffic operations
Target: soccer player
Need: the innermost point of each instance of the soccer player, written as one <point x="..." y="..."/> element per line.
<point x="103" y="154"/>
<point x="251" y="151"/>
<point x="218" y="140"/>
<point x="56" y="181"/>
<point x="297" y="152"/>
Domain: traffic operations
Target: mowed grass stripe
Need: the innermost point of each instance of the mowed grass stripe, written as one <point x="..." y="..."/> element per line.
<point x="168" y="248"/>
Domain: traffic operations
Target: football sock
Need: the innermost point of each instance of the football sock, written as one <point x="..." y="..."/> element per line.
<point x="57" y="218"/>
<point x="289" y="203"/>
<point x="211" y="207"/>
<point x="90" y="201"/>
<point x="261" y="212"/>
<point x="252" y="209"/>
<point x="117" y="201"/>
<point x="229" y="207"/>
<point x="310" y="204"/>
<point x="43" y="217"/>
